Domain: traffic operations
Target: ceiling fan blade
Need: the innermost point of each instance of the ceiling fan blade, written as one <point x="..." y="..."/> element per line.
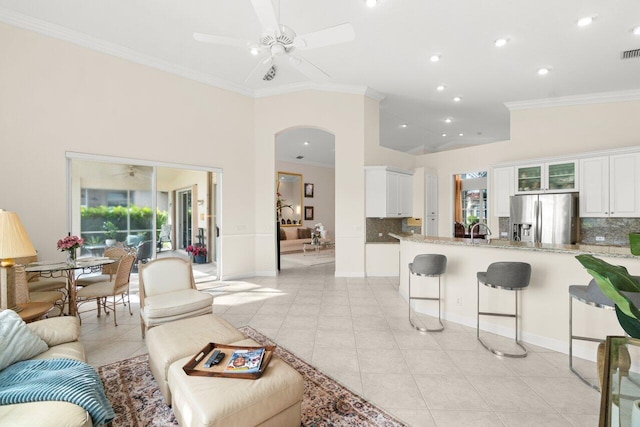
<point x="266" y="15"/>
<point x="308" y="69"/>
<point x="222" y="40"/>
<point x="329" y="36"/>
<point x="260" y="69"/>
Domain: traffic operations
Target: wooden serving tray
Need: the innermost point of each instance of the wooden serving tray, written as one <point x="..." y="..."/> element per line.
<point x="195" y="365"/>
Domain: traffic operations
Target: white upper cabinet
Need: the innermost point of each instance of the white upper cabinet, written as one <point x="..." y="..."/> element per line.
<point x="610" y="186"/>
<point x="554" y="177"/>
<point x="388" y="192"/>
<point x="503" y="189"/>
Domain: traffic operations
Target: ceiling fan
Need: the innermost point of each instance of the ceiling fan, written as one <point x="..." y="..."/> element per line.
<point x="279" y="41"/>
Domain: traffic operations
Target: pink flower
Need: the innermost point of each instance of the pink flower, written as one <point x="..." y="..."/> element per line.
<point x="70" y="242"/>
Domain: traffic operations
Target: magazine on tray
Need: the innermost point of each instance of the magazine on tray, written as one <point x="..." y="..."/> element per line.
<point x="245" y="361"/>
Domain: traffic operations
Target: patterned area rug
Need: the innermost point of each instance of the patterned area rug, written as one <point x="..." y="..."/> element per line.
<point x="310" y="259"/>
<point x="134" y="395"/>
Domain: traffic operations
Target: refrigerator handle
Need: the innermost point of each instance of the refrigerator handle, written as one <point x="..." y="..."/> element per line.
<point x="536" y="224"/>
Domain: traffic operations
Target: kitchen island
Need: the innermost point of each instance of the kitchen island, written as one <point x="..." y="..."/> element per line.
<point x="544" y="306"/>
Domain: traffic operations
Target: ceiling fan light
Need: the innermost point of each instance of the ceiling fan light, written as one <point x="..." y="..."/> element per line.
<point x="254" y="51"/>
<point x="457" y="99"/>
<point x="371" y="3"/>
<point x="501" y="42"/>
<point x="543" y="71"/>
<point x="636" y="31"/>
<point x="440" y="88"/>
<point x="434" y="58"/>
<point x="448" y="120"/>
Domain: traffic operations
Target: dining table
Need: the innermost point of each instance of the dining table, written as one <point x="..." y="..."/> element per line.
<point x="70" y="270"/>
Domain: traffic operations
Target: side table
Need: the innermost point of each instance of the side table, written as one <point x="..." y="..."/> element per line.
<point x="32" y="311"/>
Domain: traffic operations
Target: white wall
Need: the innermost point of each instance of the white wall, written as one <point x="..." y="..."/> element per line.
<point x="343" y="115"/>
<point x="58" y="97"/>
<point x="323" y="200"/>
<point x="536" y="133"/>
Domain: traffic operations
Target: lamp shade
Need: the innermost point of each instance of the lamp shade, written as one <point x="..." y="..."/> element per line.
<point x="14" y="241"/>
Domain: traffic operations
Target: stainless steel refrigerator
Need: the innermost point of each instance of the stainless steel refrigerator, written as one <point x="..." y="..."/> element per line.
<point x="545" y="218"/>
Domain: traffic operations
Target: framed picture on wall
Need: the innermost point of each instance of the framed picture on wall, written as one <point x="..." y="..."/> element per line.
<point x="308" y="212"/>
<point x="308" y="189"/>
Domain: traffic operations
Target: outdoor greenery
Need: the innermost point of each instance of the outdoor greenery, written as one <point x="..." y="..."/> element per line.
<point x="98" y="222"/>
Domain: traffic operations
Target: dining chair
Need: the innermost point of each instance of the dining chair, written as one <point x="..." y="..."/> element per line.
<point x="24" y="295"/>
<point x="100" y="291"/>
<point x="168" y="292"/>
<point x="108" y="271"/>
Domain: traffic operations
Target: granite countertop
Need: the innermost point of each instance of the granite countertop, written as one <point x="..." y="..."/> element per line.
<point x="610" y="251"/>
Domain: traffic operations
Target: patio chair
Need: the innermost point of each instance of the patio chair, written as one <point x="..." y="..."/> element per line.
<point x="165" y="236"/>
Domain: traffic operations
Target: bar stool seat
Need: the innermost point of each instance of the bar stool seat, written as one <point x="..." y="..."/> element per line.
<point x="511" y="276"/>
<point x="427" y="265"/>
<point x="592" y="295"/>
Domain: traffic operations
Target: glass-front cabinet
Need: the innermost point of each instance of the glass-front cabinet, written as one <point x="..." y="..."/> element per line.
<point x="557" y="177"/>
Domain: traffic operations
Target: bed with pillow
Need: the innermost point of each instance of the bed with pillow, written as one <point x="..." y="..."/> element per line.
<point x="292" y="238"/>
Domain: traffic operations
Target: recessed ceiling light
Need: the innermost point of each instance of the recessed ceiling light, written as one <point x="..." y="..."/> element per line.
<point x="585" y="20"/>
<point x="457" y="99"/>
<point x="444" y="134"/>
<point x="371" y="3"/>
<point x="501" y="42"/>
<point x="461" y="134"/>
<point x="404" y="125"/>
<point x="435" y="58"/>
<point x="440" y="88"/>
<point x="636" y="31"/>
<point x="306" y="143"/>
<point x="254" y="51"/>
<point x="448" y="120"/>
<point x="543" y="71"/>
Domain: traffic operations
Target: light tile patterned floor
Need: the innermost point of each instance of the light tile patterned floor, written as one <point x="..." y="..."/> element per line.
<point x="356" y="331"/>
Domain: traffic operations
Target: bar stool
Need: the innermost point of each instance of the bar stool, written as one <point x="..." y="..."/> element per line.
<point x="428" y="265"/>
<point x="510" y="276"/>
<point x="591" y="295"/>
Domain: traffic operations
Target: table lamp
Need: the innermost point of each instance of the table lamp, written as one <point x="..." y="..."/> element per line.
<point x="14" y="243"/>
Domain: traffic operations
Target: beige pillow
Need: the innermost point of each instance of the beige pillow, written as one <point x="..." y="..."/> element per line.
<point x="17" y="341"/>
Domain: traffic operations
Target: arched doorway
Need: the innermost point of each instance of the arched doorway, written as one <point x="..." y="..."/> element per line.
<point x="307" y="153"/>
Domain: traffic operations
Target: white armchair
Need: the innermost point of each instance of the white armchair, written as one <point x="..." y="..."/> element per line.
<point x="168" y="292"/>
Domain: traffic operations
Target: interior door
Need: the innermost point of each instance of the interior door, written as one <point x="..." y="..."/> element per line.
<point x="184" y="218"/>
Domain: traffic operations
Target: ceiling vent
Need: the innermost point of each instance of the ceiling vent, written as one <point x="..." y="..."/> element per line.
<point x="628" y="54"/>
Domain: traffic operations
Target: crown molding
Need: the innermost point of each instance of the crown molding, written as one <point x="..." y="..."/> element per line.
<point x="62" y="33"/>
<point x="59" y="32"/>
<point x="326" y="87"/>
<point x="565" y="101"/>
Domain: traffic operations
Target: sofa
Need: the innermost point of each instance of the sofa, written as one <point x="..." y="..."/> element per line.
<point x="61" y="337"/>
<point x="292" y="238"/>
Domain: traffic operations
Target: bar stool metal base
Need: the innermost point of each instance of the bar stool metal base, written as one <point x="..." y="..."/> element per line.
<point x="577" y="337"/>
<point x="416" y="327"/>
<point x="515" y="316"/>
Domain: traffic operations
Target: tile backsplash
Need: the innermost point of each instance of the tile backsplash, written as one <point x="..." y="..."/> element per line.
<point x="378" y="229"/>
<point x="614" y="230"/>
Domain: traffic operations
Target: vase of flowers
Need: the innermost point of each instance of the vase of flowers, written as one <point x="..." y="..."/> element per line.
<point x="70" y="244"/>
<point x="199" y="253"/>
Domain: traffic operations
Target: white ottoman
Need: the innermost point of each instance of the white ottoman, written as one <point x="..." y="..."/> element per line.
<point x="274" y="399"/>
<point x="171" y="341"/>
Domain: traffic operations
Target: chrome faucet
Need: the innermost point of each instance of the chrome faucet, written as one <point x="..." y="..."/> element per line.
<point x="478" y="224"/>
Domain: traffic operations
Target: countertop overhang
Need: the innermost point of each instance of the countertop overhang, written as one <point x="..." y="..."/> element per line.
<point x="609" y="251"/>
